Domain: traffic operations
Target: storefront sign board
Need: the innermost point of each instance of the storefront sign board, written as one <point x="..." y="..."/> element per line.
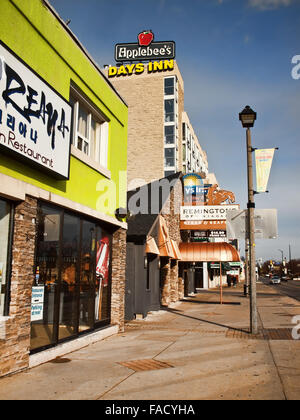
<point x="35" y="120"/>
<point x="199" y="213"/>
<point x="145" y="49"/>
<point x="203" y="225"/>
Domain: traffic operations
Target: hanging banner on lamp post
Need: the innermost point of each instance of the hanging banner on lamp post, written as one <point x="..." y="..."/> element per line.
<point x="263" y="159"/>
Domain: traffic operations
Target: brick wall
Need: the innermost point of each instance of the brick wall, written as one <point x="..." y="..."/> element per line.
<point x="145" y="97"/>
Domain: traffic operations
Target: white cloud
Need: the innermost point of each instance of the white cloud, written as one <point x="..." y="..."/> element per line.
<point x="269" y="4"/>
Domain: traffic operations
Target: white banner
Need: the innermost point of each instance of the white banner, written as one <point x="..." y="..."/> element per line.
<point x="263" y="159"/>
<point x="200" y="213"/>
<point x="35" y="121"/>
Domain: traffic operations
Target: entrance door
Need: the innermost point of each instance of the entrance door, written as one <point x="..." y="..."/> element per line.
<point x="130" y="283"/>
<point x="154" y="276"/>
<point x="199" y="277"/>
<point x="47" y="278"/>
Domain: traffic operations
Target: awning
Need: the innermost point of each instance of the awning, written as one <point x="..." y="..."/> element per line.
<point x="164" y="242"/>
<point x="151" y="247"/>
<point x="208" y="252"/>
<point x="176" y="250"/>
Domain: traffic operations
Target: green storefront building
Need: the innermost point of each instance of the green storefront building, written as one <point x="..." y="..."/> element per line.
<point x="63" y="158"/>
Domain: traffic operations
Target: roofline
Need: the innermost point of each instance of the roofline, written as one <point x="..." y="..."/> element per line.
<point x="83" y="49"/>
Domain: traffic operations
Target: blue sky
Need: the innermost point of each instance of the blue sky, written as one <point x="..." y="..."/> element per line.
<point x="231" y="53"/>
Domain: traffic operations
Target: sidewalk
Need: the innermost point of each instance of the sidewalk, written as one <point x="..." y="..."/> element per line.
<point x="195" y="351"/>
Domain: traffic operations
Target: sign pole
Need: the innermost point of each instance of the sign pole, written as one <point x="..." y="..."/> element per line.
<point x="251" y="229"/>
<point x="221" y="281"/>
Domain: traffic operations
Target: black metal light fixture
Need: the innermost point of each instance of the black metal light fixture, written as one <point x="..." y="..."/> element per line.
<point x="145" y="262"/>
<point x="121" y="213"/>
<point x="247" y="117"/>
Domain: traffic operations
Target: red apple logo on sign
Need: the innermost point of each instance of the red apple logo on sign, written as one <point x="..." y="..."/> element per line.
<point x="145" y="38"/>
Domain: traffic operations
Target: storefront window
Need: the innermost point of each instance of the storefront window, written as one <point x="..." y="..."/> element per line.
<point x="71" y="290"/>
<point x="4" y="244"/>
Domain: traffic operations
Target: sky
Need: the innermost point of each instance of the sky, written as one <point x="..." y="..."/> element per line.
<point x="231" y="53"/>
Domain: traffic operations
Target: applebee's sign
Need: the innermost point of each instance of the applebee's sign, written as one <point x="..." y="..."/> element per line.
<point x="145" y="49"/>
<point x="35" y="121"/>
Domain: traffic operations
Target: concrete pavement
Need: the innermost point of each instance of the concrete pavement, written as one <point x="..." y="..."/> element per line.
<point x="205" y="347"/>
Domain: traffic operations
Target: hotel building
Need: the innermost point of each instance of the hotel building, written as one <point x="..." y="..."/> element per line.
<point x="161" y="139"/>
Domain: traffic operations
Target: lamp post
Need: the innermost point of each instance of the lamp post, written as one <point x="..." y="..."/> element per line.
<point x="247" y="118"/>
<point x="282" y="268"/>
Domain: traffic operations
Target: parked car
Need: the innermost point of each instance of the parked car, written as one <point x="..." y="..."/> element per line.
<point x="275" y="280"/>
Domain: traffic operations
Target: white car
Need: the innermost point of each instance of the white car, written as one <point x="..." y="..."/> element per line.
<point x="275" y="280"/>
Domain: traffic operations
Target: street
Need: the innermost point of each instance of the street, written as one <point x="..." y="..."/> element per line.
<point x="290" y="288"/>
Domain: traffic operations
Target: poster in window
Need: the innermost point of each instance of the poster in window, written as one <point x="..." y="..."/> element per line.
<point x="102" y="271"/>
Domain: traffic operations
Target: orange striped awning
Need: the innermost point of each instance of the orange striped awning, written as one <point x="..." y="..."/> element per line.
<point x="164" y="242"/>
<point x="208" y="252"/>
<point x="151" y="247"/>
<point x="176" y="250"/>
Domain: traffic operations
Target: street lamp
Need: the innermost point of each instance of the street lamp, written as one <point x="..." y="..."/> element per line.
<point x="282" y="265"/>
<point x="247" y="118"/>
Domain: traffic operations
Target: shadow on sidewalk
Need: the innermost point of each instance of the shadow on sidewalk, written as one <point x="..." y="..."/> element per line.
<point x="178" y="312"/>
<point x="204" y="302"/>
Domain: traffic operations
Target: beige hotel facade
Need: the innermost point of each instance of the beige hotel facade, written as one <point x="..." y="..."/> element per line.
<point x="161" y="139"/>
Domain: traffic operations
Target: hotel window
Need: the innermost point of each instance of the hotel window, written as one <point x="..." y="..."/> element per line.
<point x="169" y="110"/>
<point x="5" y="218"/>
<point x="170" y="158"/>
<point x="170" y="134"/>
<point x="90" y="129"/>
<point x="169" y="86"/>
<point x="183" y="132"/>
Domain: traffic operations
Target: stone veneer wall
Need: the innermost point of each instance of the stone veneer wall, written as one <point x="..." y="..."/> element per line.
<point x="15" y="337"/>
<point x="118" y="278"/>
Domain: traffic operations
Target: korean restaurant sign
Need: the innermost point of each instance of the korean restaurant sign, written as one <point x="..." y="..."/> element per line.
<point x="200" y="213"/>
<point x="145" y="49"/>
<point x="35" y="121"/>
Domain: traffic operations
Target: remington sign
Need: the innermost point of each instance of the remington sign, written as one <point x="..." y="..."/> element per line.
<point x="145" y="49"/>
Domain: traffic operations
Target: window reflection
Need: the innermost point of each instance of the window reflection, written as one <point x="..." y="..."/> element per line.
<point x="72" y="277"/>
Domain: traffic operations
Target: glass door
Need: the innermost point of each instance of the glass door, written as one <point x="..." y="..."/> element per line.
<point x="46" y="281"/>
<point x="68" y="308"/>
<point x="87" y="277"/>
